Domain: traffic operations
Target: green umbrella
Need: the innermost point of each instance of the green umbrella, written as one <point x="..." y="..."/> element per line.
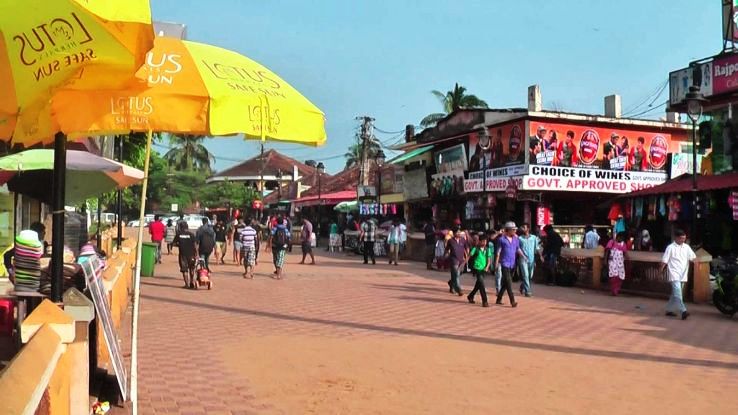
<point x="30" y="172"/>
<point x="346" y="207"/>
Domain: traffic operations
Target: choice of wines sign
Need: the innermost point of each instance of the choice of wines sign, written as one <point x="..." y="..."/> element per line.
<point x="573" y="179"/>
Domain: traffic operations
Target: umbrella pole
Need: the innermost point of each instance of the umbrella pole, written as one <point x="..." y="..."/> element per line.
<point x="119" y="204"/>
<point x="99" y="223"/>
<point x="57" y="223"/>
<point x="137" y="282"/>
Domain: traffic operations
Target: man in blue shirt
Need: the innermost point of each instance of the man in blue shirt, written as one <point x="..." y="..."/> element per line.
<point x="506" y="258"/>
<point x="530" y="245"/>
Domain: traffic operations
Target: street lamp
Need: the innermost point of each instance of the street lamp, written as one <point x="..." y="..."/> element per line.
<point x="279" y="186"/>
<point x="320" y="169"/>
<point x="695" y="101"/>
<point x="379" y="160"/>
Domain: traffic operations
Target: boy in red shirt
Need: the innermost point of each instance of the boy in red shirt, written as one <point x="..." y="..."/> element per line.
<point x="157" y="231"/>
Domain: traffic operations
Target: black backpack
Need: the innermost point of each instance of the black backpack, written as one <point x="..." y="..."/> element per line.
<point x="207" y="243"/>
<point x="280" y="238"/>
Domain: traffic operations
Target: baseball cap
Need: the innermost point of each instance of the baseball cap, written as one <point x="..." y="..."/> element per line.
<point x="510" y="225"/>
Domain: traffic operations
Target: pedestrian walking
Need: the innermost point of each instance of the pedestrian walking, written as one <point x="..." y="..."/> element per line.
<point x="430" y="243"/>
<point x="480" y="258"/>
<point x="248" y="237"/>
<point x="393" y="241"/>
<point x="334" y="238"/>
<point x="279" y="240"/>
<point x="257" y="241"/>
<point x="184" y="240"/>
<point x="551" y="253"/>
<point x="305" y="235"/>
<point x="676" y="261"/>
<point x="205" y="238"/>
<point x="157" y="230"/>
<point x="531" y="246"/>
<point x="368" y="235"/>
<point x="220" y="242"/>
<point x="615" y="256"/>
<point x="236" y="241"/>
<point x="506" y="258"/>
<point x="457" y="253"/>
<point x="169" y="233"/>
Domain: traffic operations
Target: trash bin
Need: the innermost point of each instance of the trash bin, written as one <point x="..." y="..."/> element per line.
<point x="148" y="259"/>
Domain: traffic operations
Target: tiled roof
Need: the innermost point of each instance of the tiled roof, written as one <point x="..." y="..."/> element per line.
<point x="274" y="161"/>
<point x="345" y="180"/>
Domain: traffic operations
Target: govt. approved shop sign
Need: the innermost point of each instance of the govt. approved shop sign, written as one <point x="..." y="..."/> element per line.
<point x="573" y="179"/>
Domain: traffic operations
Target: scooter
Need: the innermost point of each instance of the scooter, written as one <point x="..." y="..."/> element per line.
<point x="725" y="295"/>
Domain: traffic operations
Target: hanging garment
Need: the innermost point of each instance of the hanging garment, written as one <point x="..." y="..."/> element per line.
<point x="674" y="208"/>
<point x="662" y="206"/>
<point x="619" y="225"/>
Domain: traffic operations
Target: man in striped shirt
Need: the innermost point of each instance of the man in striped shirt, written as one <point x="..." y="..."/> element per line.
<point x="247" y="236"/>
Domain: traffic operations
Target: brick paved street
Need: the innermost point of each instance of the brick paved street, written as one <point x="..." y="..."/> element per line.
<point x="342" y="337"/>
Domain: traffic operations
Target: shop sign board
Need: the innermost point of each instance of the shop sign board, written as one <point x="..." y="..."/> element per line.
<point x="415" y="184"/>
<point x="680" y="81"/>
<point x="494" y="184"/>
<point x="730" y="20"/>
<point x="544" y="216"/>
<point x="451" y="159"/>
<point x="725" y="74"/>
<point x="496" y="178"/>
<point x="573" y="179"/>
<point x="567" y="145"/>
<point x="681" y="163"/>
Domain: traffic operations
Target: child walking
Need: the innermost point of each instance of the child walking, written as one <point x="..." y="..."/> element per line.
<point x="480" y="259"/>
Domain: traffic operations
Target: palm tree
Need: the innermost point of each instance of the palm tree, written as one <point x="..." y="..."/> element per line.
<point x="188" y="153"/>
<point x="353" y="155"/>
<point x="452" y="101"/>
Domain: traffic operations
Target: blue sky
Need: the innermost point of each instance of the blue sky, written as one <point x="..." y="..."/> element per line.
<point x="381" y="57"/>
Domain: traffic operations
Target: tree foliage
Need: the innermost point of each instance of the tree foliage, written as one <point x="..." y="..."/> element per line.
<point x="353" y="155"/>
<point x="451" y="101"/>
<point x="189" y="154"/>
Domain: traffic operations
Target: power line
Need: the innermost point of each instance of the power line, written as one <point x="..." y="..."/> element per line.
<point x="653" y="96"/>
<point x="388" y="132"/>
<point x="649" y="110"/>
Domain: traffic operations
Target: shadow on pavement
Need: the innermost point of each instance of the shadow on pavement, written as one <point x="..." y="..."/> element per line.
<point x="468" y="338"/>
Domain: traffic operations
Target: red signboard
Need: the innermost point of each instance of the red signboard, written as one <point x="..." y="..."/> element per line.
<point x="725" y="74"/>
<point x="566" y="145"/>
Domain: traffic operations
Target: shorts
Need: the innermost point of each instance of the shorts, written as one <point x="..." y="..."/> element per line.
<point x="186" y="264"/>
<point x="278" y="255"/>
<point x="237" y="245"/>
<point x="220" y="246"/>
<point x="307" y="248"/>
<point x="249" y="255"/>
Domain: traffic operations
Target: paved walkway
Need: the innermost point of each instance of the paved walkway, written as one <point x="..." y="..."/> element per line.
<point x="268" y="346"/>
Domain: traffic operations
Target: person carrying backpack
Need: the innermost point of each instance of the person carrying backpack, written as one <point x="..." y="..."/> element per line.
<point x="279" y="241"/>
<point x="205" y="238"/>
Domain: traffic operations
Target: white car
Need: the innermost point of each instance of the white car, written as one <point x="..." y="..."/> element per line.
<point x="193" y="221"/>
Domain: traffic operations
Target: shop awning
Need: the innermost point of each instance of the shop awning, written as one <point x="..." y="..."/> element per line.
<point x="410" y="154"/>
<point x="683" y="184"/>
<point x="326" y="199"/>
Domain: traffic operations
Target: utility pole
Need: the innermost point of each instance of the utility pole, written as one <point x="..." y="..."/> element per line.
<point x="367" y="133"/>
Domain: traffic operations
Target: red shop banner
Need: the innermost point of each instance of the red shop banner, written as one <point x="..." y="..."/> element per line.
<point x="504" y="148"/>
<point x="725" y="74"/>
<point x="568" y="145"/>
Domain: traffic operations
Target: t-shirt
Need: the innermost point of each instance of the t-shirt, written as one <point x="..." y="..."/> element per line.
<point x="403" y="233"/>
<point x="237" y="229"/>
<point x="480" y="258"/>
<point x="430" y="234"/>
<point x="220" y="233"/>
<point x="553" y="244"/>
<point x="677" y="257"/>
<point x="529" y="245"/>
<point x="591" y="240"/>
<point x="247" y="236"/>
<point x="186" y="243"/>
<point x="508" y="250"/>
<point x="456" y="250"/>
<point x="307" y="230"/>
<point x="205" y="239"/>
<point x="157" y="229"/>
<point x="369" y="228"/>
<point x="333" y="229"/>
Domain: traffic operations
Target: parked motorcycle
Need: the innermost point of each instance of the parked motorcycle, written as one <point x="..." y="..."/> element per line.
<point x="725" y="295"/>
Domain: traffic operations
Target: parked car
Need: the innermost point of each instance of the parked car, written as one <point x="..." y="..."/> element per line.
<point x="193" y="221"/>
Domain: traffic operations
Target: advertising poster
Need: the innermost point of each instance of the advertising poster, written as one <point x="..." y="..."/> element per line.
<point x="504" y="147"/>
<point x="451" y="159"/>
<point x="416" y="184"/>
<point x="567" y="145"/>
<point x="575" y="179"/>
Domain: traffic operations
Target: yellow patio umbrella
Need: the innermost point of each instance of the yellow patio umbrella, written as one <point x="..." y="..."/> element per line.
<point x="75" y="44"/>
<point x="193" y="88"/>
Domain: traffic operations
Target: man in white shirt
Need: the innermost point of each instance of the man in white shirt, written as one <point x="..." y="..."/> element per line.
<point x="676" y="261"/>
<point x="591" y="238"/>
